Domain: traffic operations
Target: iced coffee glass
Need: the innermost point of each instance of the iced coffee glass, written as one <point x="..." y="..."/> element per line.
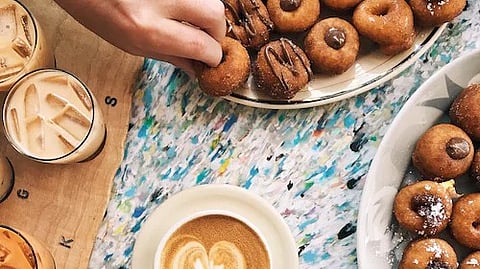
<point x="50" y="116"/>
<point x="21" y="250"/>
<point x="23" y="47"/>
<point x="6" y="178"/>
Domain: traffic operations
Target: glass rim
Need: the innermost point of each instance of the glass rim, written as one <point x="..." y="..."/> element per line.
<point x="11" y="91"/>
<point x="17" y="232"/>
<point x="35" y="44"/>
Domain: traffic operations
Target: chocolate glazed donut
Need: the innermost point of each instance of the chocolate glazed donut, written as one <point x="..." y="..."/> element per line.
<point x="230" y="74"/>
<point x="293" y="15"/>
<point x="386" y="22"/>
<point x="282" y="69"/>
<point x="248" y="21"/>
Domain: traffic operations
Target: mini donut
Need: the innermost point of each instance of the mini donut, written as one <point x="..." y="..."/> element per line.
<point x="424" y="207"/>
<point x="429" y="253"/>
<point x="472" y="261"/>
<point x="341" y="4"/>
<point x="465" y="223"/>
<point x="282" y="69"/>
<point x="230" y="74"/>
<point x="443" y="152"/>
<point x="435" y="13"/>
<point x="293" y="15"/>
<point x="475" y="168"/>
<point x="332" y="46"/>
<point x="465" y="111"/>
<point x="248" y="21"/>
<point x="386" y="22"/>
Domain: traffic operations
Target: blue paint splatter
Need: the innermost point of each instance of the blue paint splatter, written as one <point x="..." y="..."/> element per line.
<point x="233" y="118"/>
<point x="138" y="211"/>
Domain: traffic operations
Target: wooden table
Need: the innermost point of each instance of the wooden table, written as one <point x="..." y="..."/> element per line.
<point x="66" y="203"/>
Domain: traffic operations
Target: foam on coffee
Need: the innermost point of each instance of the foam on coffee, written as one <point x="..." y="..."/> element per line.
<point x="49" y="113"/>
<point x="215" y="241"/>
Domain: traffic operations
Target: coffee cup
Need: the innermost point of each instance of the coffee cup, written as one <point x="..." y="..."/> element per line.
<point x="7" y="178"/>
<point x="51" y="116"/>
<point x="21" y="250"/>
<point x="213" y="239"/>
<point x="23" y="46"/>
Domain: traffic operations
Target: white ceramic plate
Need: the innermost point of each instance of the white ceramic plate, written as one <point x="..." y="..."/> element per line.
<point x="230" y="198"/>
<point x="371" y="69"/>
<point x="380" y="241"/>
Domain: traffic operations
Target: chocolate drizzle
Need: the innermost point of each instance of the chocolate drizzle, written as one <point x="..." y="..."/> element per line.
<point x="335" y="38"/>
<point x="284" y="58"/>
<point x="242" y="17"/>
<point x="290" y="5"/>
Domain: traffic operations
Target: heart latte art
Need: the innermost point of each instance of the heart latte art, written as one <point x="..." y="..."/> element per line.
<point x="214" y="242"/>
<point x="222" y="255"/>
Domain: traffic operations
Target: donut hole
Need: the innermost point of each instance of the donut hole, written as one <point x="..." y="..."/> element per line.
<point x="476" y="224"/>
<point x="381" y="10"/>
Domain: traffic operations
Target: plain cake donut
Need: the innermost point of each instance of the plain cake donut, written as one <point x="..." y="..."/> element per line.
<point x="465" y="111"/>
<point x="465" y="223"/>
<point x="332" y="46"/>
<point x="386" y="22"/>
<point x="429" y="253"/>
<point x="293" y="15"/>
<point x="230" y="74"/>
<point x="424" y="207"/>
<point x="472" y="261"/>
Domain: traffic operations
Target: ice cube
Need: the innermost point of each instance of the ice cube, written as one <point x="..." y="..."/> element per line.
<point x="32" y="102"/>
<point x="26" y="29"/>
<point x="21" y="48"/>
<point x="8" y="25"/>
<point x="82" y="95"/>
<point x="16" y="124"/>
<point x="57" y="101"/>
<point x="36" y="134"/>
<point x="73" y="122"/>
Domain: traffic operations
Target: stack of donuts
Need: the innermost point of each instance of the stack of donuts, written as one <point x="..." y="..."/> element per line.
<point x="443" y="154"/>
<point x="260" y="39"/>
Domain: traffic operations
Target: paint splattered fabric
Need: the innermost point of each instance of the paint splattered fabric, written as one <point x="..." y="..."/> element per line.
<point x="310" y="164"/>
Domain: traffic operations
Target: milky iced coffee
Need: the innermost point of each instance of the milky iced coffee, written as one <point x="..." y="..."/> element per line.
<point x="21" y="250"/>
<point x="51" y="116"/>
<point x="23" y="47"/>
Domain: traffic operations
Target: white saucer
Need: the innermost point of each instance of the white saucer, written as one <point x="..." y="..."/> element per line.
<point x="256" y="210"/>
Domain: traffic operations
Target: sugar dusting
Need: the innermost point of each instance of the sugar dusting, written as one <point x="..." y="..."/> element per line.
<point x="432" y="5"/>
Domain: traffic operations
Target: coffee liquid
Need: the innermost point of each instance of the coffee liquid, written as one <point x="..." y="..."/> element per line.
<point x="213" y="241"/>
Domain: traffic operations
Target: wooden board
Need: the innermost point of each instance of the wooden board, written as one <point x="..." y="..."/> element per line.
<point x="69" y="201"/>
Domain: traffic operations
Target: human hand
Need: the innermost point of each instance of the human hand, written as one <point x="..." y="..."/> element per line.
<point x="176" y="31"/>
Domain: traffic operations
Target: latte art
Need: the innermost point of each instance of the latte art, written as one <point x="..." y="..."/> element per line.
<point x="222" y="255"/>
<point x="214" y="242"/>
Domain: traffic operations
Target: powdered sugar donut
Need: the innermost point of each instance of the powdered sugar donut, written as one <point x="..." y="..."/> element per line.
<point x="429" y="253"/>
<point x="424" y="207"/>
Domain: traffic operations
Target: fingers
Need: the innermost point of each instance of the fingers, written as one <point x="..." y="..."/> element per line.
<point x="180" y="40"/>
<point x="185" y="64"/>
<point x="207" y="15"/>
